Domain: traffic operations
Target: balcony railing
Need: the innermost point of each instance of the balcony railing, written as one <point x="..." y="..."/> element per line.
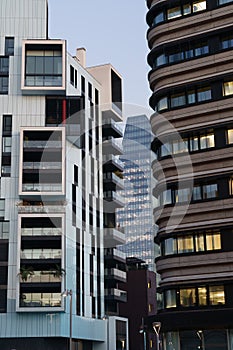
<point x="40" y="254"/>
<point x="42" y="165"/>
<point x="40" y="300"/>
<point x="115" y="273"/>
<point x="35" y="187"/>
<point x="42" y="144"/>
<point x="39" y="231"/>
<point x="41" y="209"/>
<point x="113" y="158"/>
<point x="42" y="277"/>
<point x="113" y="196"/>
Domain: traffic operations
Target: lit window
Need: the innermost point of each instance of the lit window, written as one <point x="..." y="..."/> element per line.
<point x="230" y="136"/>
<point x="170" y="296"/>
<point x="207" y="141"/>
<point x="187" y="297"/>
<point x="199" y="243"/>
<point x="174" y="12"/>
<point x="180" y="146"/>
<point x="149" y="284"/>
<point x="228" y="88"/>
<point x="199" y="6"/>
<point x="217" y="295"/>
<point x="151" y="343"/>
<point x="185" y="244"/>
<point x="150" y="307"/>
<point x="213" y="241"/>
<point x="202" y="296"/>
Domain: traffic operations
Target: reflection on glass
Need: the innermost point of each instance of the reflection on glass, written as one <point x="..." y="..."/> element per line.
<point x="213" y="241"/>
<point x="187" y="297"/>
<point x="199" y="5"/>
<point x="170" y="296"/>
<point x="217" y="295"/>
<point x="210" y="191"/>
<point x="202" y="296"/>
<point x="228" y="88"/>
<point x="185" y="244"/>
<point x="207" y="141"/>
<point x="230" y="136"/>
<point x="174" y="12"/>
<point x="199" y="243"/>
<point x="170" y="246"/>
<point x="197" y="193"/>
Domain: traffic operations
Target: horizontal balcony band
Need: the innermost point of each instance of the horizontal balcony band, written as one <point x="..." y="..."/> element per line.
<point x="41" y="231"/>
<point x="113" y="237"/>
<point x="35" y="187"/>
<point x="115" y="254"/>
<point x="112" y="146"/>
<point x="42" y="144"/>
<point x="115" y="294"/>
<point x="27" y="209"/>
<point x="114" y="159"/>
<point x="115" y="274"/>
<point x="42" y="165"/>
<point x="112" y="111"/>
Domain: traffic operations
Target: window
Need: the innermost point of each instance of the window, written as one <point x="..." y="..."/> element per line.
<point x="75" y="175"/>
<point x="213" y="241"/>
<point x="71" y="75"/>
<point x="203" y="94"/>
<point x="7" y="124"/>
<point x="230" y="136"/>
<point x="174" y="12"/>
<point x="4" y="65"/>
<point x="166" y="197"/>
<point x="199" y="6"/>
<point x="195" y="242"/>
<point x="178" y="100"/>
<point x="217" y="295"/>
<point x="228" y="88"/>
<point x="202" y="296"/>
<point x="162" y="104"/>
<point x="149" y="284"/>
<point x="207" y="141"/>
<point x="226" y="42"/>
<point x="185" y="244"/>
<point x="3" y="85"/>
<point x="197" y="195"/>
<point x="182" y="195"/>
<point x="188" y="297"/>
<point x="160" y="60"/>
<point x="210" y="191"/>
<point x="176" y="57"/>
<point x="150" y="307"/>
<point x="43" y="68"/>
<point x="221" y="2"/>
<point x="170" y="297"/>
<point x="6" y="144"/>
<point x="159" y="18"/>
<point x="202" y="49"/>
<point x="2" y="208"/>
<point x="194" y="144"/>
<point x="9" y="46"/>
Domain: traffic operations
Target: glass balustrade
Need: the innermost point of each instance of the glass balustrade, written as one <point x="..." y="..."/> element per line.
<point x="42" y="144"/>
<point x="36" y="187"/>
<point x="41" y="231"/>
<point x="40" y="300"/>
<point x="40" y="254"/>
<point x="42" y="165"/>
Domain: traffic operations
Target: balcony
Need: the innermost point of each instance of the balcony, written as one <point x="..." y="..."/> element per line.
<point x="41" y="231"/>
<point x="112" y="200"/>
<point x="41" y="144"/>
<point x="115" y="274"/>
<point x="38" y="300"/>
<point x="114" y="179"/>
<point x="112" y="111"/>
<point x="28" y="209"/>
<point x="112" y="162"/>
<point x="114" y="294"/>
<point x="111" y="128"/>
<point x="113" y="237"/>
<point x="43" y="67"/>
<point x="112" y="146"/>
<point x="114" y="254"/>
<point x="40" y="254"/>
<point x="36" y="187"/>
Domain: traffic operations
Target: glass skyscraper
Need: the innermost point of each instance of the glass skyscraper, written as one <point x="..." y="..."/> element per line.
<point x="137" y="216"/>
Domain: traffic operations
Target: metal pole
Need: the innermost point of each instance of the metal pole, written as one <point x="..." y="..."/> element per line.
<point x="144" y="337"/>
<point x="157" y="340"/>
<point x="70" y="294"/>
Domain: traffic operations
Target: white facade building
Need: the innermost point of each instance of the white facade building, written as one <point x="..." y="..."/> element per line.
<point x="51" y="198"/>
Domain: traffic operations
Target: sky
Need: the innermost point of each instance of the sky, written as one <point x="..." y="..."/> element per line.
<point x="112" y="31"/>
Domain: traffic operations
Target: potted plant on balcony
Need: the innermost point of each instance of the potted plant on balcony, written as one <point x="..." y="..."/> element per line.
<point x="25" y="273"/>
<point x="57" y="271"/>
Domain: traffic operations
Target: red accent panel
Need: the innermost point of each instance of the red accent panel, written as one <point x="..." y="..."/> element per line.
<point x="63" y="111"/>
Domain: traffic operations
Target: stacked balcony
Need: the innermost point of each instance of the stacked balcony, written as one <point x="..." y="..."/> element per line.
<point x="42" y="157"/>
<point x="41" y="213"/>
<point x="40" y="263"/>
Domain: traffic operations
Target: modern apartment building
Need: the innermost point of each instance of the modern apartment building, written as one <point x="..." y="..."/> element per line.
<point x="191" y="79"/>
<point x="55" y="190"/>
<point x="136" y="216"/>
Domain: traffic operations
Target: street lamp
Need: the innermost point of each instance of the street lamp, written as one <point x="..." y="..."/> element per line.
<point x="156" y="327"/>
<point x="201" y="337"/>
<point x="66" y="293"/>
<point x="143" y="331"/>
